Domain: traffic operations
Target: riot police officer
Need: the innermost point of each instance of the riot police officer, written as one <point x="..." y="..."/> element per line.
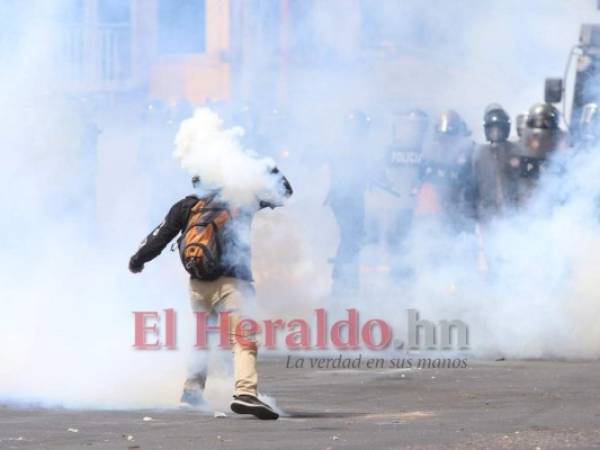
<point x="588" y="136"/>
<point x="397" y="185"/>
<point x="446" y="173"/>
<point x="588" y="130"/>
<point x="494" y="181"/>
<point x="541" y="138"/>
<point x="346" y="198"/>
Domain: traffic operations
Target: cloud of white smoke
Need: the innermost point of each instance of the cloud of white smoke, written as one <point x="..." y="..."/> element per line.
<point x="536" y="297"/>
<point x="215" y="154"/>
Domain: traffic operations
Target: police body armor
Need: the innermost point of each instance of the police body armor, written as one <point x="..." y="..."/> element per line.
<point x="446" y="182"/>
<point x="533" y="155"/>
<point x="402" y="173"/>
<point x="495" y="174"/>
<point x="347" y="202"/>
<point x="398" y="189"/>
<point x="540" y="139"/>
<point x="403" y="157"/>
<point x="496" y="169"/>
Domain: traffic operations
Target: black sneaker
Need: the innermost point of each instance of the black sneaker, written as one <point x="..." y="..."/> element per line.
<point x="248" y="404"/>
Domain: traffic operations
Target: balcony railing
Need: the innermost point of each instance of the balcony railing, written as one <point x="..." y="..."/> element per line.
<point x="97" y="59"/>
<point x="80" y="58"/>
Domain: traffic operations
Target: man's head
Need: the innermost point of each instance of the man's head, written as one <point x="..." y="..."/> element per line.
<point x="496" y="124"/>
<point x="542" y="134"/>
<point x="543" y="116"/>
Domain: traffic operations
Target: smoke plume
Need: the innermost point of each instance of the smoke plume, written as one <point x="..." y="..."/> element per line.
<point x="215" y="154"/>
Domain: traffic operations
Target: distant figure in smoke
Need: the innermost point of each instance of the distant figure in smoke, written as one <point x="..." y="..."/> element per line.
<point x="541" y="138"/>
<point x="588" y="136"/>
<point x="346" y="198"/>
<point x="588" y="130"/>
<point x="495" y="179"/>
<point x="401" y="180"/>
<point x="446" y="174"/>
<point x="215" y="249"/>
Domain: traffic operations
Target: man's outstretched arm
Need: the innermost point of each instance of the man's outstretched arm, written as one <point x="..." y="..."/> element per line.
<point x="160" y="237"/>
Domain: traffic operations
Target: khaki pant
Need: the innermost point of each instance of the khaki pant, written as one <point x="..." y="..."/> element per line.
<point x="227" y="294"/>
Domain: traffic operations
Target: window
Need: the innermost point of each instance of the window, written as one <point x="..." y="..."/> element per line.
<point x="69" y="12"/>
<point x="113" y="11"/>
<point x="181" y="26"/>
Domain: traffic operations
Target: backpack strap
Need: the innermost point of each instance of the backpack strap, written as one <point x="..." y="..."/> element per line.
<point x="202" y="206"/>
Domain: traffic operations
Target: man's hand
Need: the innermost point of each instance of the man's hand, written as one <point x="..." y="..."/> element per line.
<point x="135" y="267"/>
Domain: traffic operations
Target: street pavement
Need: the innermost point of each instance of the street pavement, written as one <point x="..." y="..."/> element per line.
<point x="490" y="404"/>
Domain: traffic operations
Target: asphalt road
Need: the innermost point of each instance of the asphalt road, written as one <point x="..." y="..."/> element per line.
<point x="504" y="404"/>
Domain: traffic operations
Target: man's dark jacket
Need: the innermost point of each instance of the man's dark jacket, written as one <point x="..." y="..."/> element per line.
<point x="236" y="257"/>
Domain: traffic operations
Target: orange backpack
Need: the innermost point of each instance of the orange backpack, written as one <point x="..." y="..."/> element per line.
<point x="201" y="243"/>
